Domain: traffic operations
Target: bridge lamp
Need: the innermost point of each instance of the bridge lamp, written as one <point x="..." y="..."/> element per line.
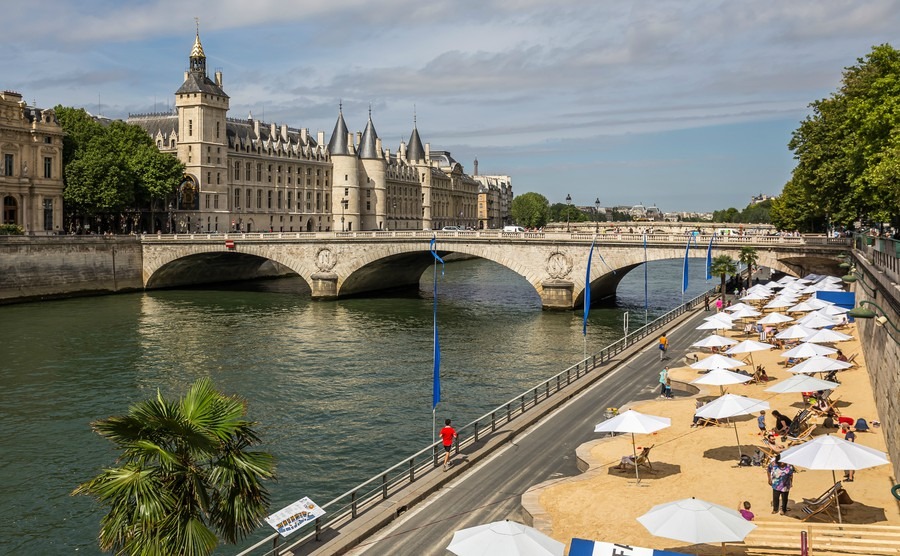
<point x="853" y="277"/>
<point x="597" y="214"/>
<point x="343" y="206"/>
<point x="882" y="320"/>
<point x="568" y="204"/>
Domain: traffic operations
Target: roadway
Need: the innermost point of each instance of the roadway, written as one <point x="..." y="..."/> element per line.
<point x="492" y="489"/>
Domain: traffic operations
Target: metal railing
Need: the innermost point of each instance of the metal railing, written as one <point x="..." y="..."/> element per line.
<point x="882" y="252"/>
<point x="348" y="506"/>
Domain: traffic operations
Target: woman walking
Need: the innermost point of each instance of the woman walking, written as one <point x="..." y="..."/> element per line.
<point x="781" y="476"/>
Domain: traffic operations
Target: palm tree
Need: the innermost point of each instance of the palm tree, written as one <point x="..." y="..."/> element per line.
<point x="722" y="265"/>
<point x="185" y="475"/>
<point x="748" y="258"/>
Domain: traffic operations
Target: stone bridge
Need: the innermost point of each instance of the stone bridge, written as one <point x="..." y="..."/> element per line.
<point x="343" y="264"/>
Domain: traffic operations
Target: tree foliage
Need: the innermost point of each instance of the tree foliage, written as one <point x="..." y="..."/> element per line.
<point x="564" y="212"/>
<point x="721" y="266"/>
<point x="185" y="475"/>
<point x="111" y="168"/>
<point x="749" y="257"/>
<point x="531" y="210"/>
<point x="754" y="213"/>
<point x="848" y="151"/>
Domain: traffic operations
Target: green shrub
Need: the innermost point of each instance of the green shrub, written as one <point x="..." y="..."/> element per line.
<point x="11" y="230"/>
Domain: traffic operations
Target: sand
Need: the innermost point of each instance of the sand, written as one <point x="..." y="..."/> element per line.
<point x="603" y="503"/>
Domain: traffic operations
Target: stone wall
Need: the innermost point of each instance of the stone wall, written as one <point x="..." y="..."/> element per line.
<point x="881" y="346"/>
<point x="34" y="268"/>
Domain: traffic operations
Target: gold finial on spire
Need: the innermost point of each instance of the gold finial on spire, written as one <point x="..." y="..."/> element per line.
<point x="197" y="50"/>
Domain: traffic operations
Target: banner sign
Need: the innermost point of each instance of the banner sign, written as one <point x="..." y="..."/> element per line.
<point x="289" y="519"/>
<point x="581" y="547"/>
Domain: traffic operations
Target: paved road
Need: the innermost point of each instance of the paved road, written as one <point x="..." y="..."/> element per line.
<point x="492" y="490"/>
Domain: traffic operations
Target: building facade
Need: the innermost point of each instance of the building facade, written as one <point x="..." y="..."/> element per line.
<point x="250" y="176"/>
<point x="31" y="182"/>
<point x="494" y="199"/>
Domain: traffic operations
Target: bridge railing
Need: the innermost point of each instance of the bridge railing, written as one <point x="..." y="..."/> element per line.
<point x="357" y="501"/>
<point x="883" y="252"/>
<point x="575" y="236"/>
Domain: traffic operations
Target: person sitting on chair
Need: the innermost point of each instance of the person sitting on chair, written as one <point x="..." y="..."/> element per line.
<point x="840" y="356"/>
<point x="630" y="460"/>
<point x="782" y="422"/>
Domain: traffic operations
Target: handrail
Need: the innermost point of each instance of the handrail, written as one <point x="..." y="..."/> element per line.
<point x="349" y="505"/>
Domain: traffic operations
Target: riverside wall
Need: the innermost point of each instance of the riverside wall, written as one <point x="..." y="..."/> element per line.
<point x="881" y="346"/>
<point x="35" y="268"/>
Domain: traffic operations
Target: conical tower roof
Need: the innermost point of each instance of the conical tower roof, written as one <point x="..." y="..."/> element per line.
<point x="338" y="144"/>
<point x="415" y="151"/>
<point x="368" y="148"/>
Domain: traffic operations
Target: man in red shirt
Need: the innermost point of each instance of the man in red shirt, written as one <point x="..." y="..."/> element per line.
<point x="448" y="435"/>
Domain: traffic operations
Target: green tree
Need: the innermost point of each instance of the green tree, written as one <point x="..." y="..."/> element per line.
<point x="749" y="257"/>
<point x="848" y="149"/>
<point x="722" y="265"/>
<point x="185" y="475"/>
<point x="728" y="215"/>
<point x="531" y="210"/>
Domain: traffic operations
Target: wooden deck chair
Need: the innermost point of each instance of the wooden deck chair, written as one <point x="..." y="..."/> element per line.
<point x="815" y="510"/>
<point x="704" y="422"/>
<point x="852" y="360"/>
<point x="804" y="435"/>
<point x="824" y="496"/>
<point x="643" y="459"/>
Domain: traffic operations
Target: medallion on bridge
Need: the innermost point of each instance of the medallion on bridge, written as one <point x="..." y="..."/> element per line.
<point x="325" y="259"/>
<point x="558" y="265"/>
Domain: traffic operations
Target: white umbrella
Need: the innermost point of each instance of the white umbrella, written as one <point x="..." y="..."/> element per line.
<point x="827" y="336"/>
<point x="634" y="422"/>
<point x="717" y="361"/>
<point x="696" y="521"/>
<point x="778" y="303"/>
<point x="715" y="324"/>
<point x="745" y="313"/>
<point x="755" y="296"/>
<point x="803" y="307"/>
<point x="775" y="318"/>
<point x="738" y="307"/>
<point x="748" y="346"/>
<point x="815" y="320"/>
<point x="714" y="340"/>
<point x="802" y="383"/>
<point x="807" y="349"/>
<point x="833" y="452"/>
<point x="724" y="317"/>
<point x="820" y="364"/>
<point x="504" y="538"/>
<point x="721" y="378"/>
<point x="832" y="310"/>
<point x="731" y="405"/>
<point x="795" y="332"/>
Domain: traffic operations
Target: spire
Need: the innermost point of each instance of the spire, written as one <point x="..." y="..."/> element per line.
<point x="338" y="144"/>
<point x="198" y="58"/>
<point x="415" y="150"/>
<point x="368" y="147"/>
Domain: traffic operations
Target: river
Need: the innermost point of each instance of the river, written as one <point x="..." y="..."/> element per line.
<point x="341" y="390"/>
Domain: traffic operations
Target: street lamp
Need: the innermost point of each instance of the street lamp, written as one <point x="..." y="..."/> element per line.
<point x="568" y="204"/>
<point x="597" y="214"/>
<point x="343" y="206"/>
<point x="861" y="312"/>
<point x="171" y="218"/>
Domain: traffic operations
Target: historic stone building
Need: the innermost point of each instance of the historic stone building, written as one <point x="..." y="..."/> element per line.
<point x="495" y="195"/>
<point x="247" y="175"/>
<point x="31" y="183"/>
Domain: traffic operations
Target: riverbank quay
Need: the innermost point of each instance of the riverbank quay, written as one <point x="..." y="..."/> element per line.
<point x="701" y="462"/>
<point x="518" y="454"/>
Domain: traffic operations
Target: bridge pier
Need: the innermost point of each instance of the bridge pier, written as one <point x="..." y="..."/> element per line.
<point x="324" y="286"/>
<point x="556" y="295"/>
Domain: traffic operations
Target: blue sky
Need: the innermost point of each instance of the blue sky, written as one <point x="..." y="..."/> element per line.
<point x="685" y="104"/>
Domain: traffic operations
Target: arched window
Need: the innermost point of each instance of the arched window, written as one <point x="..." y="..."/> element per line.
<point x="10" y="210"/>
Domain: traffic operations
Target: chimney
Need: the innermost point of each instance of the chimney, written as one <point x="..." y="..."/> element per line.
<point x="256" y="128"/>
<point x="320" y="138"/>
<point x="402" y="150"/>
<point x="284" y="132"/>
<point x="304" y="135"/>
<point x="273" y="131"/>
<point x="378" y="144"/>
<point x="427" y="151"/>
<point x="476" y="166"/>
<point x="219" y="78"/>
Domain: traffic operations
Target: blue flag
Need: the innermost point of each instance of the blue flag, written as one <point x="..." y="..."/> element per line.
<point x="709" y="258"/>
<point x="684" y="279"/>
<point x="646" y="288"/>
<point x="436" y="386"/>
<point x="587" y="288"/>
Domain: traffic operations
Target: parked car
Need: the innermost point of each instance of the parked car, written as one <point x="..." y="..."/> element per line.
<point x="513" y="229"/>
<point x="451" y="229"/>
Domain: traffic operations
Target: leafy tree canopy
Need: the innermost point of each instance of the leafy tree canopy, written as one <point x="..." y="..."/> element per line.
<point x="848" y="151"/>
<point x="531" y="210"/>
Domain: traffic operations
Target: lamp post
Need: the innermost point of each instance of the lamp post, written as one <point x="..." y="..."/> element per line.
<point x="171" y="219"/>
<point x="343" y="205"/>
<point x="394" y="215"/>
<point x="597" y="215"/>
<point x="568" y="204"/>
<point x="861" y="312"/>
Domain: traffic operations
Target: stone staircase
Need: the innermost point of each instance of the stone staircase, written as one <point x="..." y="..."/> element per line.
<point x="775" y="538"/>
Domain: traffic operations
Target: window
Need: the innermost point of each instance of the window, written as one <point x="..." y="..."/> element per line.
<point x="8" y="164"/>
<point x="248" y="170"/>
<point x="249" y="194"/>
<point x="279" y="200"/>
<point x="190" y="128"/>
<point x="259" y="198"/>
<point x="207" y="200"/>
<point x="368" y="205"/>
<point x="237" y="171"/>
<point x="215" y="201"/>
<point x="290" y="200"/>
<point x="48" y="215"/>
<point x="237" y="198"/>
<point x="208" y="178"/>
<point x="368" y="193"/>
<point x="48" y="139"/>
<point x="259" y="172"/>
<point x="48" y="167"/>
<point x="269" y="200"/>
<point x="217" y="130"/>
<point x="346" y="192"/>
<point x="345" y="177"/>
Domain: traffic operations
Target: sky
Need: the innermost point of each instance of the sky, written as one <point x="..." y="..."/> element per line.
<point x="687" y="105"/>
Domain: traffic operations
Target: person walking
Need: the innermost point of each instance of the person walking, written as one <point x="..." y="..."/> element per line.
<point x="706" y="302"/>
<point x="781" y="477"/>
<point x="719" y="305"/>
<point x="663" y="346"/>
<point x="849" y="436"/>
<point x="448" y="435"/>
<point x="663" y="381"/>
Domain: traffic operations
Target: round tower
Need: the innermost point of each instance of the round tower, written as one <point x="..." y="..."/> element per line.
<point x="345" y="183"/>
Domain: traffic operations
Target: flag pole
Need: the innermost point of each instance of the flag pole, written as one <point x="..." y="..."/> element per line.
<point x="646" y="289"/>
<point x="587" y="295"/>
<point x="436" y="382"/>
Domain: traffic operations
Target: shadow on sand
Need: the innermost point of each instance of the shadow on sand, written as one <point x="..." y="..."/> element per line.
<point x="660" y="470"/>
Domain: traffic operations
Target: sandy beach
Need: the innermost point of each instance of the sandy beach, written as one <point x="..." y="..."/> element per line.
<point x="603" y="503"/>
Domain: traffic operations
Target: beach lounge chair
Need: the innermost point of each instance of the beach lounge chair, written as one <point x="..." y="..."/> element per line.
<point x="822" y="505"/>
<point x="803" y="436"/>
<point x="824" y="496"/>
<point x="643" y="460"/>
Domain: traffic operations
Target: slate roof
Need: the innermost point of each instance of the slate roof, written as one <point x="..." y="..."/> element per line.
<point x="367" y="145"/>
<point x="199" y="83"/>
<point x="415" y="151"/>
<point x="338" y="144"/>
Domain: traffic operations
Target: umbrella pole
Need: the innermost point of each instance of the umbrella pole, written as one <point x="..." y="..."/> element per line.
<point x="837" y="500"/>
<point x="637" y="473"/>
<point x="736" y="437"/>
